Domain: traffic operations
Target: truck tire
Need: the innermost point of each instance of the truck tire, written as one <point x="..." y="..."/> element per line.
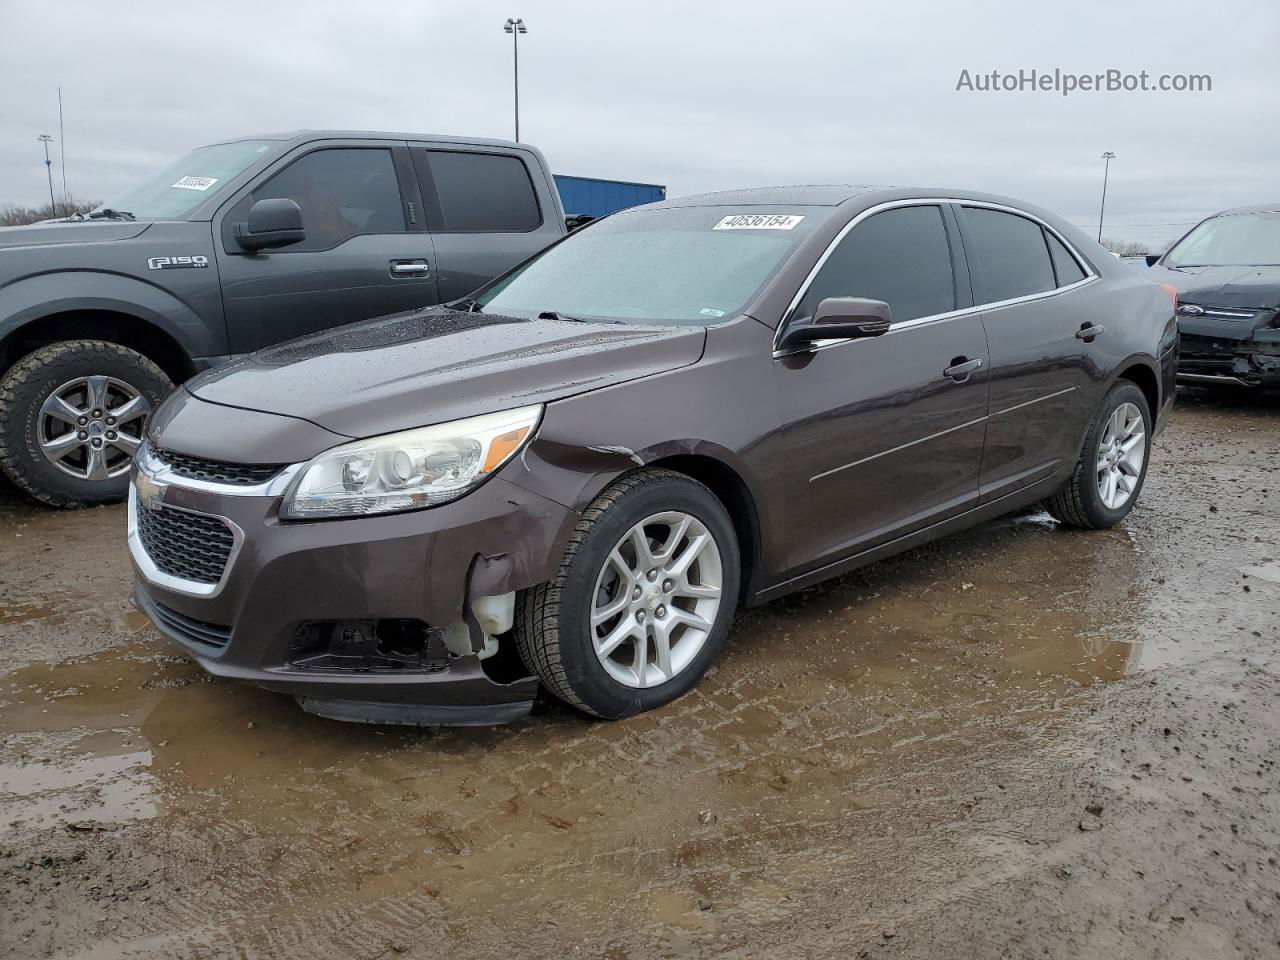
<point x="1113" y="463"/>
<point x="642" y="601"/>
<point x="71" y="416"/>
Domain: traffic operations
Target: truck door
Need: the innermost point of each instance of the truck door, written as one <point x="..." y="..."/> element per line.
<point x="483" y="212"/>
<point x="366" y="253"/>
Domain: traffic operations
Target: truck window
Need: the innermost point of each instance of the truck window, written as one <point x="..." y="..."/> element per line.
<point x="343" y="193"/>
<point x="478" y="192"/>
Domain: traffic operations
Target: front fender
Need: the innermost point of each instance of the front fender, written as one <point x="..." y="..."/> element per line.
<point x="71" y="291"/>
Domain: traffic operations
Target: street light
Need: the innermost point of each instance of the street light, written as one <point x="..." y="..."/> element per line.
<point x="515" y="27"/>
<point x="1108" y="156"/>
<point x="48" y="169"/>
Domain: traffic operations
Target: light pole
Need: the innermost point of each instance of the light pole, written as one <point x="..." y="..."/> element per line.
<point x="48" y="168"/>
<point x="1108" y="157"/>
<point x="515" y="27"/>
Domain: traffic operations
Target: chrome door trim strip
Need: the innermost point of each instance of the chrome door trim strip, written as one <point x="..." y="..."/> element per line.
<point x="902" y="446"/>
<point x="1027" y="403"/>
<point x="940" y="433"/>
<point x="1090" y="274"/>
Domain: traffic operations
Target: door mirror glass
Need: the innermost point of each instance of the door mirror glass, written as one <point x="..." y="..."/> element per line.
<point x="272" y="223"/>
<point x="841" y="318"/>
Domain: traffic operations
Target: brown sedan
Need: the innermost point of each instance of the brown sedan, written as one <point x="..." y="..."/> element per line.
<point x="574" y="477"/>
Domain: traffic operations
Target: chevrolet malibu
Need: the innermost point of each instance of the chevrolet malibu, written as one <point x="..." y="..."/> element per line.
<point x="575" y="476"/>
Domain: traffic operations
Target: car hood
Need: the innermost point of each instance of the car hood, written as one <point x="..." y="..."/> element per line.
<point x="1254" y="288"/>
<point x="436" y="365"/>
<point x="88" y="231"/>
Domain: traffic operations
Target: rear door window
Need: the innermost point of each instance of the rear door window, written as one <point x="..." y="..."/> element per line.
<point x="1011" y="254"/>
<point x="476" y="192"/>
<point x="900" y="256"/>
<point x="1065" y="266"/>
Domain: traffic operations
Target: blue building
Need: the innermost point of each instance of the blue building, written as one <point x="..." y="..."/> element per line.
<point x="595" y="198"/>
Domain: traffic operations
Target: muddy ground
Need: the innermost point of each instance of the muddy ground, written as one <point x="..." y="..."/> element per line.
<point x="1019" y="742"/>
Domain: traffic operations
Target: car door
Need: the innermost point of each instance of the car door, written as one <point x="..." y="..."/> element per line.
<point x="1027" y="282"/>
<point x="483" y="212"/>
<point x="884" y="435"/>
<point x="366" y="252"/>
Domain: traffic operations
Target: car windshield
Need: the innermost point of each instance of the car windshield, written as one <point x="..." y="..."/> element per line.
<point x="182" y="186"/>
<point x="1237" y="240"/>
<point x="674" y="265"/>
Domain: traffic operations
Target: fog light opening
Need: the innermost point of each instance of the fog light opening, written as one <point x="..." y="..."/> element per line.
<point x="369" y="646"/>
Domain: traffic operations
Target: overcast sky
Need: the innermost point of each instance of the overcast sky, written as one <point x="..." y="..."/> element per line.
<point x="675" y="93"/>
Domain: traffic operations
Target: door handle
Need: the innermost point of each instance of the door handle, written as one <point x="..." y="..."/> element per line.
<point x="410" y="268"/>
<point x="961" y="368"/>
<point x="1090" y="330"/>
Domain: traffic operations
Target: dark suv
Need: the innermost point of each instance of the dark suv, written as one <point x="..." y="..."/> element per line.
<point x="234" y="247"/>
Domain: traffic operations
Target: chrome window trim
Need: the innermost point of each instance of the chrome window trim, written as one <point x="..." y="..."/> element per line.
<point x="160" y="471"/>
<point x="153" y="574"/>
<point x="1090" y="274"/>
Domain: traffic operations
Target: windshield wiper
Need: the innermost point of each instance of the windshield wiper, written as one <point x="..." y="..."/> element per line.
<point x="466" y="305"/>
<point x="556" y="315"/>
<point x="106" y="213"/>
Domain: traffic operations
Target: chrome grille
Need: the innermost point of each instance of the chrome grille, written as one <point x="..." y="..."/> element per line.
<point x="215" y="471"/>
<point x="191" y="546"/>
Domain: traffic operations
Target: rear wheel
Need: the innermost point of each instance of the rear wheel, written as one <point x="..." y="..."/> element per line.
<point x="643" y="599"/>
<point x="71" y="416"/>
<point x="1112" y="465"/>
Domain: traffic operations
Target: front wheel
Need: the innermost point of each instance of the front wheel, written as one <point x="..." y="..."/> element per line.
<point x="643" y="599"/>
<point x="71" y="416"/>
<point x="1112" y="465"/>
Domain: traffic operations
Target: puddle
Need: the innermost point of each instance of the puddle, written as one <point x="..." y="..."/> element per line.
<point x="87" y="792"/>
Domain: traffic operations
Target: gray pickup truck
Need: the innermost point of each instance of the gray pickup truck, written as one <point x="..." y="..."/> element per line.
<point x="236" y="246"/>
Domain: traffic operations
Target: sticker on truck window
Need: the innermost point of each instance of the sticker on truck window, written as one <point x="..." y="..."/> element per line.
<point x="758" y="221"/>
<point x="195" y="183"/>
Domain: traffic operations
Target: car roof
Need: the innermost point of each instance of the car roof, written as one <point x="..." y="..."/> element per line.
<point x="302" y="136"/>
<point x="833" y="195"/>
<point x="1256" y="208"/>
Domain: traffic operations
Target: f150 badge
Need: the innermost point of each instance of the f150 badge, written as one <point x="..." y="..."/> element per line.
<point x="176" y="263"/>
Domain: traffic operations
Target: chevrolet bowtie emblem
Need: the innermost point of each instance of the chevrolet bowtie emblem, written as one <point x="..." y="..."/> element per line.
<point x="150" y="492"/>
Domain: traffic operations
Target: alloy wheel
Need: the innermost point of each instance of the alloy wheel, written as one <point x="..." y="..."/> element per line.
<point x="90" y="427"/>
<point x="656" y="599"/>
<point x="1122" y="451"/>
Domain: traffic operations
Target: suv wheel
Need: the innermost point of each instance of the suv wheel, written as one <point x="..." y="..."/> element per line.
<point x="1112" y="465"/>
<point x="643" y="599"/>
<point x="71" y="416"/>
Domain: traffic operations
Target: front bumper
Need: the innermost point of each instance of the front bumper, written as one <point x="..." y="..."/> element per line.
<point x="424" y="566"/>
<point x="1229" y="355"/>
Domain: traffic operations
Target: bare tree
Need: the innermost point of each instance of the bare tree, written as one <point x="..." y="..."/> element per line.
<point x="1127" y="248"/>
<point x="12" y="215"/>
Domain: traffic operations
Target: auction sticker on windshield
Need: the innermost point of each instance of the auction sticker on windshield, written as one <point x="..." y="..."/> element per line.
<point x="758" y="221"/>
<point x="195" y="183"/>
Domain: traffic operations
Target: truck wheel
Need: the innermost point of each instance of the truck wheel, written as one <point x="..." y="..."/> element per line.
<point x="71" y="416"/>
<point x="1112" y="465"/>
<point x="642" y="601"/>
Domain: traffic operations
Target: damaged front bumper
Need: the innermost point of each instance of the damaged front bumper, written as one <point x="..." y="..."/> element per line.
<point x="386" y="619"/>
<point x="1220" y="353"/>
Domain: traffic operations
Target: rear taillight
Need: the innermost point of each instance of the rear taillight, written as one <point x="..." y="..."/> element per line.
<point x="1172" y="291"/>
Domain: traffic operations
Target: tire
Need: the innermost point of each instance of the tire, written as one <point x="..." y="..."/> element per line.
<point x="79" y="372"/>
<point x="1081" y="503"/>
<point x="553" y="628"/>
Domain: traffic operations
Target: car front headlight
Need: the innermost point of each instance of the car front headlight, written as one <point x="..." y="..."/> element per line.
<point x="409" y="470"/>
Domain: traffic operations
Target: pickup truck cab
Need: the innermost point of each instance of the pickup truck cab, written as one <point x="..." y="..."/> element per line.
<point x="236" y="246"/>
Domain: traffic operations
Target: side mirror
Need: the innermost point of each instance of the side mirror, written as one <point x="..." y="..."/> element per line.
<point x="575" y="220"/>
<point x="841" y="318"/>
<point x="272" y="223"/>
<point x="1151" y="259"/>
